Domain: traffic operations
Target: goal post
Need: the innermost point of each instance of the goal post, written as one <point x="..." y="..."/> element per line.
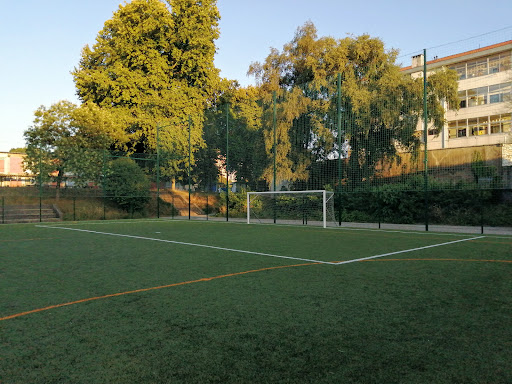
<point x="291" y="207"/>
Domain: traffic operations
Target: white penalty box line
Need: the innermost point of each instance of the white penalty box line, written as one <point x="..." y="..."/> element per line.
<point x="189" y="244"/>
<point x="409" y="250"/>
<point x="261" y="253"/>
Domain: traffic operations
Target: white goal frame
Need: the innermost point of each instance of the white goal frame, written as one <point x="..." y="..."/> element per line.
<point x="323" y="192"/>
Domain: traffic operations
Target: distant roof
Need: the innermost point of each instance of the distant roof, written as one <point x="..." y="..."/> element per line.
<point x="459" y="55"/>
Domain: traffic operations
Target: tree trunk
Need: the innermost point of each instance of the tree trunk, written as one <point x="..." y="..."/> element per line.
<point x="60" y="176"/>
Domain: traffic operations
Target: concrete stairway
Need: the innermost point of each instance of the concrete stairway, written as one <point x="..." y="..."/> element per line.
<point x="29" y="214"/>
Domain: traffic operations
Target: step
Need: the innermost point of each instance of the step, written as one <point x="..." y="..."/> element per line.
<point x="29" y="213"/>
<point x="31" y="220"/>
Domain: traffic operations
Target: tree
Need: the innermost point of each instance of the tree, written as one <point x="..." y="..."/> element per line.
<point x="155" y="68"/>
<point x="18" y="150"/>
<point x="126" y="184"/>
<point x="236" y="110"/>
<point x="380" y="107"/>
<point x="70" y="139"/>
<point x="195" y="31"/>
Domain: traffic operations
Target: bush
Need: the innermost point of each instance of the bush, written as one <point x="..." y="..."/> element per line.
<point x="447" y="204"/>
<point x="237" y="203"/>
<point x="127" y="185"/>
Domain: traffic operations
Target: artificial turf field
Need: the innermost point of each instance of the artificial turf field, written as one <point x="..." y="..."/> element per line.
<point x="204" y="302"/>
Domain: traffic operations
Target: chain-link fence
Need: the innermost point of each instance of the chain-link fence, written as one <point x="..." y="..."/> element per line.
<point x="428" y="143"/>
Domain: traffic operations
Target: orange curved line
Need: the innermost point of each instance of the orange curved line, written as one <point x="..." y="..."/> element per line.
<point x="432" y="259"/>
<point x="33" y="239"/>
<point x="148" y="289"/>
<point x="213" y="278"/>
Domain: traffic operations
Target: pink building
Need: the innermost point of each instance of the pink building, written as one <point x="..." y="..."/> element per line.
<point x="12" y="173"/>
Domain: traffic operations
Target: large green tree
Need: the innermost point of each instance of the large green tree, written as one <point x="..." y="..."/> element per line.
<point x="235" y="113"/>
<point x="380" y="107"/>
<point x="154" y="67"/>
<point x="69" y="140"/>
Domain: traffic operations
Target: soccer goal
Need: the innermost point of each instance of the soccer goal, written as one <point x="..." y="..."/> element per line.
<point x="291" y="207"/>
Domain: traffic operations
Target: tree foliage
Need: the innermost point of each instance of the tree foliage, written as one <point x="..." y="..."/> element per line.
<point x="154" y="67"/>
<point x="126" y="184"/>
<point x="67" y="139"/>
<point x="235" y="113"/>
<point x="380" y="107"/>
<point x="18" y="150"/>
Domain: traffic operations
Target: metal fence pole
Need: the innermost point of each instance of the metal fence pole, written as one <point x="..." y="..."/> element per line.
<point x="104" y="179"/>
<point x="338" y="122"/>
<point x="40" y="186"/>
<point x="158" y="171"/>
<point x="274" y="150"/>
<point x="481" y="200"/>
<point x="425" y="136"/>
<point x="227" y="161"/>
<point x="189" y="159"/>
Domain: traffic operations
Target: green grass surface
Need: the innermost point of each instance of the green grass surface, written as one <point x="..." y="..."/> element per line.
<point x="432" y="315"/>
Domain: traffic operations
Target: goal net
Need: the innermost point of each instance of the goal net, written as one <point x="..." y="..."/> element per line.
<point x="291" y="207"/>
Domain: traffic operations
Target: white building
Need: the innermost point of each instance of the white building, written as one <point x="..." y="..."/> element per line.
<point x="485" y="94"/>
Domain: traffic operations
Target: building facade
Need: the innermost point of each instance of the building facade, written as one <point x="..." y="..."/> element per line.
<point x="485" y="97"/>
<point x="12" y="173"/>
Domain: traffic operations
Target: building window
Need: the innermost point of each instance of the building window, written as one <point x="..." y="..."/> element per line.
<point x="499" y="63"/>
<point x="477" y="96"/>
<point x="499" y="93"/>
<point x="452" y="129"/>
<point x="461" y="127"/>
<point x="477" y="68"/>
<point x="480" y="126"/>
<point x="494" y="64"/>
<point x="461" y="70"/>
<point x="500" y="123"/>
<point x="457" y="128"/>
<point x="462" y="98"/>
<point x="483" y="66"/>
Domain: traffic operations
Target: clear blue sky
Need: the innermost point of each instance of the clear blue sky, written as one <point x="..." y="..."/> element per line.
<point x="41" y="41"/>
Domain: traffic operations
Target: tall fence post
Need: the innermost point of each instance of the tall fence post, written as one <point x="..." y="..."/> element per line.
<point x="274" y="150"/>
<point x="104" y="180"/>
<point x="425" y="137"/>
<point x="227" y="161"/>
<point x="40" y="186"/>
<point x="158" y="171"/>
<point x="481" y="200"/>
<point x="338" y="122"/>
<point x="189" y="159"/>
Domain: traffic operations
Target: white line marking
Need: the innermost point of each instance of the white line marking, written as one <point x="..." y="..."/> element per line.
<point x="308" y="227"/>
<point x="408" y="250"/>
<point x="183" y="243"/>
<point x="260" y="253"/>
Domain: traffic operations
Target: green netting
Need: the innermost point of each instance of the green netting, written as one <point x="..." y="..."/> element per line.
<point x="420" y="143"/>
